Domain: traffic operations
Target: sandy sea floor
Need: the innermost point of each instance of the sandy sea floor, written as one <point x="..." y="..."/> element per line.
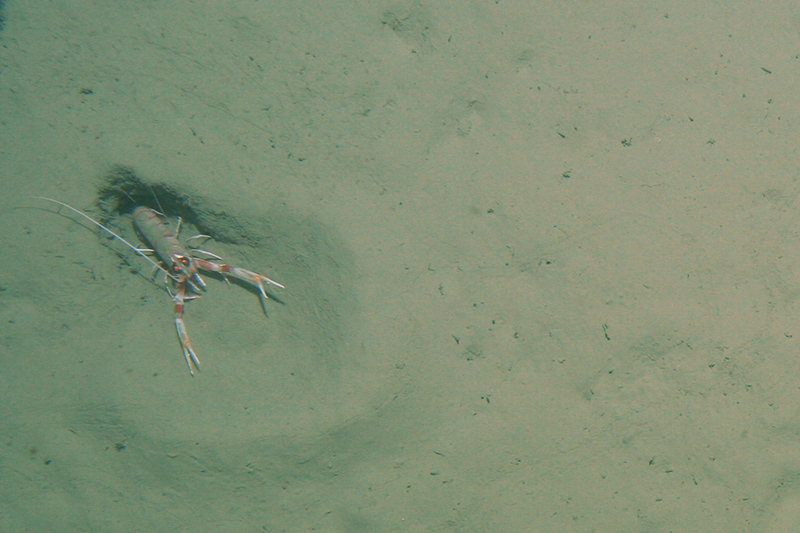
<point x="540" y="263"/>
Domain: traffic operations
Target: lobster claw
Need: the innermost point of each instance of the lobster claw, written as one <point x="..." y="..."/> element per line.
<point x="188" y="352"/>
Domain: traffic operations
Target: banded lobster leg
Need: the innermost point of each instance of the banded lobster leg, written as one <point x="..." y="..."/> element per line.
<point x="254" y="279"/>
<point x="188" y="353"/>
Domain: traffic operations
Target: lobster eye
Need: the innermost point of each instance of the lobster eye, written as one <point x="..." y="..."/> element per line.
<point x="179" y="262"/>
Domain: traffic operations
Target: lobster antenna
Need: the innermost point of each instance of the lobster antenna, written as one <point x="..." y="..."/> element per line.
<point x="160" y="209"/>
<point x="123" y="191"/>
<point x="102" y="227"/>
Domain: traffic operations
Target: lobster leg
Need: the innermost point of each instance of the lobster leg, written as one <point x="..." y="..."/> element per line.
<point x="180" y="327"/>
<point x="239" y="273"/>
